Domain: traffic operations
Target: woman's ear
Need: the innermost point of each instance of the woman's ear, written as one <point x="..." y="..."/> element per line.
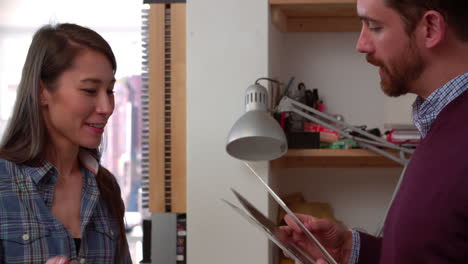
<point x="433" y="28"/>
<point x="43" y="94"/>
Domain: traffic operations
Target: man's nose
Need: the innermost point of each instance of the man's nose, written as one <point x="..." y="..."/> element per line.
<point x="364" y="43"/>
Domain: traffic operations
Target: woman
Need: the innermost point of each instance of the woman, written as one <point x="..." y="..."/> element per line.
<point x="55" y="197"/>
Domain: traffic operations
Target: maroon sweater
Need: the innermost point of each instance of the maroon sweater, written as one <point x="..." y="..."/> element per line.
<point x="428" y="220"/>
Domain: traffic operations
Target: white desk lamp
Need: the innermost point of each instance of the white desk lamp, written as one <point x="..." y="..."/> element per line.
<point x="257" y="135"/>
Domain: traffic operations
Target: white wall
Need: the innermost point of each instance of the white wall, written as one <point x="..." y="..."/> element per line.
<point x="347" y="83"/>
<point x="227" y="51"/>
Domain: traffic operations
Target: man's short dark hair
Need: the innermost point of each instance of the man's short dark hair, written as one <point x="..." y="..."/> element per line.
<point x="454" y="11"/>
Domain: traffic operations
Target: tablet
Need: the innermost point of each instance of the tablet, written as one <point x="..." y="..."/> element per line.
<point x="273" y="232"/>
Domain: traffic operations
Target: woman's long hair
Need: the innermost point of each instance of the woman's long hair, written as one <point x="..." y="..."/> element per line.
<point x="52" y="51"/>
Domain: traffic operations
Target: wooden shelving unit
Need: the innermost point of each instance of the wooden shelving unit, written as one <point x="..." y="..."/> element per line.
<point x="315" y="15"/>
<point x="333" y="158"/>
<point x="167" y="108"/>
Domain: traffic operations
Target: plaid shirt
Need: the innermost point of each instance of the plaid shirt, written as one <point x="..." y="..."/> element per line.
<point x="29" y="233"/>
<point x="424" y="114"/>
<point x="426" y="111"/>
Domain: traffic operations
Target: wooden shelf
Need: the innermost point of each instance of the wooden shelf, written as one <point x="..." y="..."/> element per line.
<point x="315" y="15"/>
<point x="333" y="158"/>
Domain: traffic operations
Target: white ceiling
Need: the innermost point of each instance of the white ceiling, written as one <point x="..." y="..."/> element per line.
<point x="93" y="13"/>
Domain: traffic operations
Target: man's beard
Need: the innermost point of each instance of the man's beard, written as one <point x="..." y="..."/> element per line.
<point x="399" y="72"/>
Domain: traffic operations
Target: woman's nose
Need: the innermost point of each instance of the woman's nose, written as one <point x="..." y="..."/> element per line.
<point x="105" y="104"/>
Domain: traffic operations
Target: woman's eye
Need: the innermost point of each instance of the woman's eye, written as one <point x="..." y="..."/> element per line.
<point x="110" y="91"/>
<point x="89" y="91"/>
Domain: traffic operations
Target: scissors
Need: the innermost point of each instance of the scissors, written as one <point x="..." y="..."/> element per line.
<point x="273" y="232"/>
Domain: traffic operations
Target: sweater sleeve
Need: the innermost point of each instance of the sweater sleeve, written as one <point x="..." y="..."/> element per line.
<point x="370" y="247"/>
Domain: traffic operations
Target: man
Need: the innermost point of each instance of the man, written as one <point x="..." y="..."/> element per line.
<point x="420" y="47"/>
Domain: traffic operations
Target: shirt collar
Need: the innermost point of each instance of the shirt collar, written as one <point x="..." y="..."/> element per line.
<point x="85" y="157"/>
<point x="425" y="111"/>
<point x="37" y="173"/>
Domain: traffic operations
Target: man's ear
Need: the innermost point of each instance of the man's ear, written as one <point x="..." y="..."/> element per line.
<point x="43" y="94"/>
<point x="433" y="28"/>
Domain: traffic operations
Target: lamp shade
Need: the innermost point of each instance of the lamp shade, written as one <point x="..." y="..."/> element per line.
<point x="256" y="135"/>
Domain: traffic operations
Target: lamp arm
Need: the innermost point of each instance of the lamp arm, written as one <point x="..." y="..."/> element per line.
<point x="363" y="140"/>
<point x="402" y="159"/>
<point x="289" y="105"/>
<point x="337" y="130"/>
<point x="369" y="144"/>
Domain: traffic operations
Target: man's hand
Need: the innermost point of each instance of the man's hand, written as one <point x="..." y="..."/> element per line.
<point x="335" y="238"/>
